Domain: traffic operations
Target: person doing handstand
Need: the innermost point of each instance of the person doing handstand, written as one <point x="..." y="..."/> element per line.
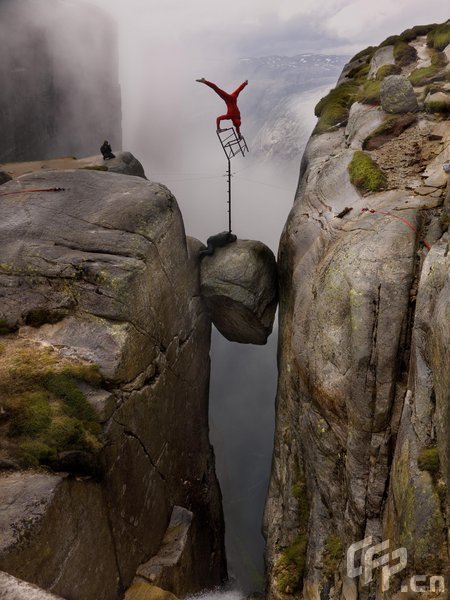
<point x="231" y="101"/>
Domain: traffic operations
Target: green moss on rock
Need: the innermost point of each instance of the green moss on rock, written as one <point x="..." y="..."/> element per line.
<point x="44" y="409"/>
<point x="5" y="328"/>
<point x="32" y="414"/>
<point x="418" y="30"/>
<point x="404" y="54"/>
<point x="33" y="453"/>
<point x="367" y="54"/>
<point x="437" y="106"/>
<point x="439" y="37"/>
<point x="387" y="70"/>
<point x="428" y="460"/>
<point x="365" y="173"/>
<point x="392" y="127"/>
<point x="360" y="71"/>
<point x="333" y="109"/>
<point x="290" y="567"/>
<point x="423" y="75"/>
<point x="334" y="550"/>
<point x="370" y="92"/>
<point x="390" y="41"/>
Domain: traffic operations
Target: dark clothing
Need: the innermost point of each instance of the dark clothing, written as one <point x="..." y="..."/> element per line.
<point x="217" y="241"/>
<point x="107" y="151"/>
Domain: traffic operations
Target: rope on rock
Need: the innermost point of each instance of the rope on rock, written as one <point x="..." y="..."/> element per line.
<point x="55" y="189"/>
<point x="402" y="219"/>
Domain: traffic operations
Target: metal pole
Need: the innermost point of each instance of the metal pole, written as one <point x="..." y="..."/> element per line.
<point x="229" y="195"/>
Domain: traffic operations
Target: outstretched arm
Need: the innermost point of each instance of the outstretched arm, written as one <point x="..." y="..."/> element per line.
<point x="239" y="89"/>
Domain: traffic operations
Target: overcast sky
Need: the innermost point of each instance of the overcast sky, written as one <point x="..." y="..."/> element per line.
<point x="261" y="27"/>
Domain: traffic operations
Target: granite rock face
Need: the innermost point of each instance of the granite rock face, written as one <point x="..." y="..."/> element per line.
<point x="239" y="284"/>
<point x="361" y="444"/>
<point x="104" y="264"/>
<point x="383" y="56"/>
<point x="60" y="86"/>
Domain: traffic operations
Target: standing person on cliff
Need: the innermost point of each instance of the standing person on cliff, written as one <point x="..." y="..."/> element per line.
<point x="233" y="112"/>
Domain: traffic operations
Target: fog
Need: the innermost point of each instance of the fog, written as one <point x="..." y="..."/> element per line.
<point x="54" y="70"/>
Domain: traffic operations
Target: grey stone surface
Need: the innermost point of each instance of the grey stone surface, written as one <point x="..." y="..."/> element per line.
<point x="12" y="588"/>
<point x="397" y="95"/>
<point x="124" y="163"/>
<point x="383" y="56"/>
<point x="239" y="285"/>
<point x="437" y="101"/>
<point x="55" y="532"/>
<point x="363" y="119"/>
<point x="171" y="566"/>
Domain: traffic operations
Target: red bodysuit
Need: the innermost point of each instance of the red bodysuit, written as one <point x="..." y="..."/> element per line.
<point x="231" y="101"/>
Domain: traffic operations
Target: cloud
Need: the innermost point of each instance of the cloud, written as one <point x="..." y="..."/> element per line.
<point x="262" y="27"/>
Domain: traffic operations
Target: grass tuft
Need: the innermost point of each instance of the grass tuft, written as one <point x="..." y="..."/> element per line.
<point x="332" y="555"/>
<point x="367" y="54"/>
<point x="5" y="328"/>
<point x="387" y="70"/>
<point x="290" y="567"/>
<point x="45" y="411"/>
<point x="333" y="109"/>
<point x="423" y="75"/>
<point x="365" y="173"/>
<point x="439" y="37"/>
<point x="428" y="460"/>
<point x="359" y="72"/>
<point x="404" y="54"/>
<point x="370" y="92"/>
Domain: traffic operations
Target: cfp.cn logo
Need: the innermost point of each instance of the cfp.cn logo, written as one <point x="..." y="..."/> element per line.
<point x="374" y="556"/>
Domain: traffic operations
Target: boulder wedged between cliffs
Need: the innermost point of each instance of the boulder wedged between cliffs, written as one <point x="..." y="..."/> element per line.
<point x="239" y="285"/>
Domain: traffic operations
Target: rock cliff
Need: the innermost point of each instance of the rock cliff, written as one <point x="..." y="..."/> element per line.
<point x="59" y="78"/>
<point x="107" y="478"/>
<point x="99" y="273"/>
<point x="361" y="448"/>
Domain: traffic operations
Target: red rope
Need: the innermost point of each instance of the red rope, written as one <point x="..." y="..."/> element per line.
<point x="55" y="189"/>
<point x="402" y="219"/>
